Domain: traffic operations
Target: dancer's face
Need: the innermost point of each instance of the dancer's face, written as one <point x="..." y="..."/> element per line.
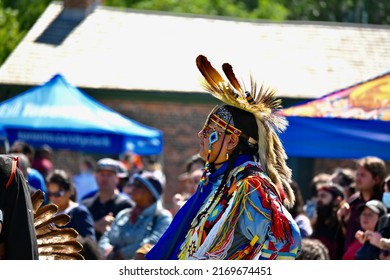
<point x="212" y="133"/>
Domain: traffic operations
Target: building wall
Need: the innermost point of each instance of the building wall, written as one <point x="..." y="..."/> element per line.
<point x="179" y="123"/>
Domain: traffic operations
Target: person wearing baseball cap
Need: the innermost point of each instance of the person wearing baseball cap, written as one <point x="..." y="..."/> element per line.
<point x="108" y="164"/>
<point x="380" y="238"/>
<point x="108" y="201"/>
<point x="375" y="206"/>
<point x="360" y="248"/>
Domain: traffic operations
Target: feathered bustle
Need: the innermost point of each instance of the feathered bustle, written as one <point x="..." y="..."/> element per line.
<point x="54" y="243"/>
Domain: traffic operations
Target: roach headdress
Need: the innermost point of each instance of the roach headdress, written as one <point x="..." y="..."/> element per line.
<point x="264" y="107"/>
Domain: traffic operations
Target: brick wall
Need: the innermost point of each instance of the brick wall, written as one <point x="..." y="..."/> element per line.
<point x="179" y="123"/>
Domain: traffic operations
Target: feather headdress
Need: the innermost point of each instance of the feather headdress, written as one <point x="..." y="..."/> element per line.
<point x="264" y="106"/>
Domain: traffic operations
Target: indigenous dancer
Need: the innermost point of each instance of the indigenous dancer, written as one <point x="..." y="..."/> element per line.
<point x="239" y="210"/>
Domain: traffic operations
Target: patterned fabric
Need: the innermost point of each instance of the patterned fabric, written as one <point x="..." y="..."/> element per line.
<point x="247" y="206"/>
<point x="168" y="246"/>
<point x="245" y="221"/>
<point x="239" y="224"/>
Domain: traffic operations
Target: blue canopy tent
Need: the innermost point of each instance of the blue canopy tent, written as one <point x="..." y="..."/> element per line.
<point x="349" y="123"/>
<point x="62" y="116"/>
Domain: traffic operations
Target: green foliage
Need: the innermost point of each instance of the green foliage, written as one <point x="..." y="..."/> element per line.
<point x="16" y="18"/>
<point x="265" y="9"/>
<point x="358" y="11"/>
<point x="378" y="11"/>
<point x="10" y="33"/>
<point x="29" y="10"/>
<point x="115" y="3"/>
<point x="269" y="10"/>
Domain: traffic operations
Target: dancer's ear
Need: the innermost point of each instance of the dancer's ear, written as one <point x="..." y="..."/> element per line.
<point x="233" y="141"/>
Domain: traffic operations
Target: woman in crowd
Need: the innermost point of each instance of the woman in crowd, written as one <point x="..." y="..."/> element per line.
<point x="61" y="192"/>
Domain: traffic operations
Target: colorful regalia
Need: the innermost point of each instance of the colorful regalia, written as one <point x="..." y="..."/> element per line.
<point x="247" y="221"/>
<point x="239" y="210"/>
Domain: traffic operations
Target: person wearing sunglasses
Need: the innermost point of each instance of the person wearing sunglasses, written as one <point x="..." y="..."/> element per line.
<point x="61" y="192"/>
<point x="239" y="210"/>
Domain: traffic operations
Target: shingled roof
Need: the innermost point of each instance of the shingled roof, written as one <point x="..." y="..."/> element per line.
<point x="125" y="49"/>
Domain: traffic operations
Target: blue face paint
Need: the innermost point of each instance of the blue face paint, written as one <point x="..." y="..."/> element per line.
<point x="213" y="137"/>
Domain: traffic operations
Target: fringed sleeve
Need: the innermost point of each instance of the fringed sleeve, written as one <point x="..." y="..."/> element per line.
<point x="266" y="220"/>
